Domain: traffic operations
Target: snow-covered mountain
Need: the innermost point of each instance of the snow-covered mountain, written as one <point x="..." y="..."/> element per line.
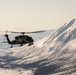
<point x="53" y="55"/>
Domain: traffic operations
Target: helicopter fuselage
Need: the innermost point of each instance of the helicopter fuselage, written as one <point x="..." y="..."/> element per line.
<point x="21" y="39"/>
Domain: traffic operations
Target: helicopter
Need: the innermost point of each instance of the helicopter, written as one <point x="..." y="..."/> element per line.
<point x="21" y="39"/>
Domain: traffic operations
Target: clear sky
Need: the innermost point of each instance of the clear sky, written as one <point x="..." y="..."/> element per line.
<point x="31" y="15"/>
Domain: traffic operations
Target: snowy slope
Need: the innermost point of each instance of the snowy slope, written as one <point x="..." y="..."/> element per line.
<point x="53" y="55"/>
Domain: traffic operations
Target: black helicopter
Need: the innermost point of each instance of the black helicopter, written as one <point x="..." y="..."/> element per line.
<point x="22" y="38"/>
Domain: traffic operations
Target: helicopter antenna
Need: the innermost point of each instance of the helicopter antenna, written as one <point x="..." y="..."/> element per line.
<point x="6" y="31"/>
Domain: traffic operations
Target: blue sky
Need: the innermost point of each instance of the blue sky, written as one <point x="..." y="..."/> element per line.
<point x="31" y="15"/>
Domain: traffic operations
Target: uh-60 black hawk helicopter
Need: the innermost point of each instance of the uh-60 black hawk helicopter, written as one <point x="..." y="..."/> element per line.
<point x="21" y="39"/>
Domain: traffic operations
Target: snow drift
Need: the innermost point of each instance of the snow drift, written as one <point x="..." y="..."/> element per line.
<point x="53" y="55"/>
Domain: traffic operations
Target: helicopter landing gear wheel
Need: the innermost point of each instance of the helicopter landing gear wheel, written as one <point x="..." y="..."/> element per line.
<point x="31" y="43"/>
<point x="11" y="46"/>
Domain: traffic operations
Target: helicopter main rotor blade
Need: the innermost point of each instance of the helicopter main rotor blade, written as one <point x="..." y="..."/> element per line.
<point x="27" y="32"/>
<point x="37" y="31"/>
<point x="24" y="32"/>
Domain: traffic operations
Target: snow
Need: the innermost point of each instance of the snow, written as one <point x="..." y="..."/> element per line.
<point x="14" y="72"/>
<point x="51" y="54"/>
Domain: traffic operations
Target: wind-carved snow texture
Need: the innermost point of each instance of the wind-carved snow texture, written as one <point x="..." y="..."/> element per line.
<point x="53" y="55"/>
